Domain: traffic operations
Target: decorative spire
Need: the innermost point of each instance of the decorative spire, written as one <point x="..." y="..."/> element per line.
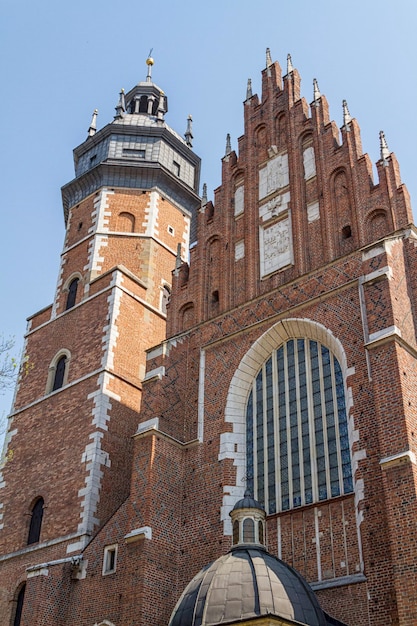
<point x="290" y="67"/>
<point x="121" y="105"/>
<point x="204" y="197"/>
<point x="228" y="145"/>
<point x="383" y="146"/>
<point x="149" y="63"/>
<point x="189" y="132"/>
<point x="268" y="58"/>
<point x="93" y="126"/>
<point x="316" y="90"/>
<point x="249" y="89"/>
<point x="346" y="115"/>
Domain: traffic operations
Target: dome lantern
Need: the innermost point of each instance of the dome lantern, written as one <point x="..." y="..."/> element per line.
<point x="248" y="521"/>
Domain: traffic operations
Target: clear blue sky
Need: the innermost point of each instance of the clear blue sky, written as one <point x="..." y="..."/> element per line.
<point x="61" y="60"/>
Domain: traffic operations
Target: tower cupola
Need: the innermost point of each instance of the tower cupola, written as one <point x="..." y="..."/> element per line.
<point x="146" y="98"/>
<point x="137" y="149"/>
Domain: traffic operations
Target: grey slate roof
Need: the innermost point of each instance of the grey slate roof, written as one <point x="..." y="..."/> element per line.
<point x="244" y="584"/>
<point x="247" y="502"/>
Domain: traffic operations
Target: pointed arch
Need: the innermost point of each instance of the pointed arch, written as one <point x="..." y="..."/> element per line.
<point x="346" y="229"/>
<point x="214" y="271"/>
<point x="281" y="130"/>
<point x="234" y="445"/>
<point x="377" y="224"/>
<point x="71" y="288"/>
<point x="186" y="316"/>
<point x="309" y="160"/>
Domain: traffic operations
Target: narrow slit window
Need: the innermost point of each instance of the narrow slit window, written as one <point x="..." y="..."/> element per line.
<point x="36" y="522"/>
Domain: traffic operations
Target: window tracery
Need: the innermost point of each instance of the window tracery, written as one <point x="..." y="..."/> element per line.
<point x="296" y="428"/>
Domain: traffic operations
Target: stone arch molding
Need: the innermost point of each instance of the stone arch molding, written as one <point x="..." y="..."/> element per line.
<point x="105" y="622"/>
<point x="233" y="444"/>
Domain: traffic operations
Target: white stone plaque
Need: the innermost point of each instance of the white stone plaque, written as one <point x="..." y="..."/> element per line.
<point x="274" y="207"/>
<point x="275" y="246"/>
<point x="239" y="250"/>
<point x="313" y="212"/>
<point x="239" y="200"/>
<point x="274" y="175"/>
<point x="309" y="163"/>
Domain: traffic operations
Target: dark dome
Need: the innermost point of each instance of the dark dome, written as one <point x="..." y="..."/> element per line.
<point x="247" y="502"/>
<point x="243" y="584"/>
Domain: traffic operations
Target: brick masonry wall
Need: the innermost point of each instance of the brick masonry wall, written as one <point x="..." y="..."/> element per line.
<point x="350" y="278"/>
<point x="74" y="447"/>
<point x="332" y="296"/>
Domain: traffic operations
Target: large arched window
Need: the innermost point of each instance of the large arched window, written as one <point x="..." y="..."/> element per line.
<point x="36" y="521"/>
<point x="19" y="605"/>
<point x="297" y="442"/>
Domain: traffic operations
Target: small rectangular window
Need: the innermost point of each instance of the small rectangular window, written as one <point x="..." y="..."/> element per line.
<point x="177" y="168"/>
<point x="109" y="559"/>
<point x="133" y="153"/>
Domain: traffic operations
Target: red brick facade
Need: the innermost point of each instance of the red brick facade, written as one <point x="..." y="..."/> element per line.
<point x="143" y="446"/>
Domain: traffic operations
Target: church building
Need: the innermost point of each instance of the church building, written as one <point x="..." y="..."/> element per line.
<point x="215" y="421"/>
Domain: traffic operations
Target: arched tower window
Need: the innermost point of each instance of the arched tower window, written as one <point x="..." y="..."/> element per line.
<point x="296" y="428"/>
<point x="261" y="531"/>
<point x="36" y="521"/>
<point x="143" y="106"/>
<point x="19" y="605"/>
<point x="248" y="530"/>
<point x="72" y="294"/>
<point x="59" y="373"/>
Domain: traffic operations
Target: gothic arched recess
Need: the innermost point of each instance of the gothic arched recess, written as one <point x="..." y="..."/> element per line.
<point x="289" y="405"/>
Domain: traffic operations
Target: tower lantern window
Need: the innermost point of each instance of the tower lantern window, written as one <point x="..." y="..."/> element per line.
<point x="143" y="104"/>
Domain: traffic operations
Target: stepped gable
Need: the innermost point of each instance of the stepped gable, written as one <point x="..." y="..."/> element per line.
<point x="297" y="194"/>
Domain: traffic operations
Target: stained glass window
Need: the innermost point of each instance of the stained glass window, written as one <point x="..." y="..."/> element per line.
<point x="296" y="428"/>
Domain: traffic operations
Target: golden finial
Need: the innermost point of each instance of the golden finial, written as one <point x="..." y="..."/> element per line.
<point x="149" y="60"/>
<point x="149" y="63"/>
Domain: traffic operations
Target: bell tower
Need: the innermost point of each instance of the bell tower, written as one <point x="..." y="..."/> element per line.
<point x="129" y="213"/>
